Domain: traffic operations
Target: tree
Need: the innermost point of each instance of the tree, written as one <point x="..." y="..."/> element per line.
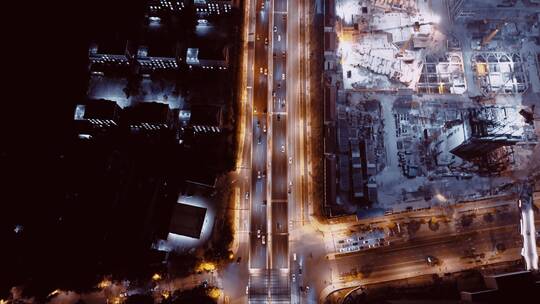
<point x="140" y="299"/>
<point x="196" y="295"/>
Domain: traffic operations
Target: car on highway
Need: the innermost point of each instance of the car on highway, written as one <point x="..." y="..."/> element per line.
<point x="283" y="76"/>
<point x="265" y="72"/>
<point x="275" y="28"/>
<point x="282" y="148"/>
<point x="290" y="160"/>
<point x="263" y="239"/>
<point x="238" y="260"/>
<point x="264" y="128"/>
<point x="432" y="261"/>
<point x="278" y="37"/>
<point x="266" y="41"/>
<point x="283" y="54"/>
<point x="293" y="277"/>
<point x="247" y="289"/>
<point x="258" y="174"/>
<point x="247" y="195"/>
<point x="258" y="233"/>
<point x="261" y="70"/>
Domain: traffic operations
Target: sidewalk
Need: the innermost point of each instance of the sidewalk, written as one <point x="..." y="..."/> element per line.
<point x="334" y="225"/>
<point x="448" y="267"/>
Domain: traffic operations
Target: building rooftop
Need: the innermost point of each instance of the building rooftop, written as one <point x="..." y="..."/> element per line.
<point x="113" y="44"/>
<point x="147" y="112"/>
<point x="101" y="109"/>
<point x="187" y="220"/>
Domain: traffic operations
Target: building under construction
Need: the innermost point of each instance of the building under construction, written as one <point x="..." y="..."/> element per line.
<point x="452" y="81"/>
<point x="483" y="132"/>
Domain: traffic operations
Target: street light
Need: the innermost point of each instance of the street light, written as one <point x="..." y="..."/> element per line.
<point x="156" y="277"/>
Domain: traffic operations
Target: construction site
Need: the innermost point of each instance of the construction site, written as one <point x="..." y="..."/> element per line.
<point x="428" y="102"/>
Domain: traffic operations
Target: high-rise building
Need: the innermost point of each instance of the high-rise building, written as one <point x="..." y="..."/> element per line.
<point x="212" y="7"/>
<point x="112" y="52"/>
<point x="208" y="58"/>
<point x="96" y="116"/>
<point x="148" y="117"/>
<point x="162" y="6"/>
<point x="486" y="129"/>
<point x="151" y="57"/>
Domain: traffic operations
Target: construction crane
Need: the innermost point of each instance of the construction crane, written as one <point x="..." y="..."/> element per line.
<point x="487" y="39"/>
<point x="403" y="48"/>
<point x="416" y="27"/>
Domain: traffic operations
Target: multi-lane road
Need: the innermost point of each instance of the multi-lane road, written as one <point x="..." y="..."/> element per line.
<point x="275" y="91"/>
<point x="267" y="129"/>
<point x="257" y="194"/>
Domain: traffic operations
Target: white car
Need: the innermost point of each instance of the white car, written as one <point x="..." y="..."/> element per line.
<point x="261" y="70"/>
<point x="263" y="240"/>
<point x="283" y="76"/>
<point x="283" y="148"/>
<point x="247" y="289"/>
<point x="265" y="72"/>
<point x="278" y="37"/>
<point x="275" y="28"/>
<point x="258" y="174"/>
<point x="290" y="160"/>
<point x="258" y="233"/>
<point x="247" y="195"/>
<point x="293" y="277"/>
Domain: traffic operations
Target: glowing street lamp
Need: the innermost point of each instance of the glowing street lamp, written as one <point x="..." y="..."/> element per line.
<point x="104" y="283"/>
<point x="156" y="277"/>
<point x="214" y="293"/>
<point x="206" y="266"/>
